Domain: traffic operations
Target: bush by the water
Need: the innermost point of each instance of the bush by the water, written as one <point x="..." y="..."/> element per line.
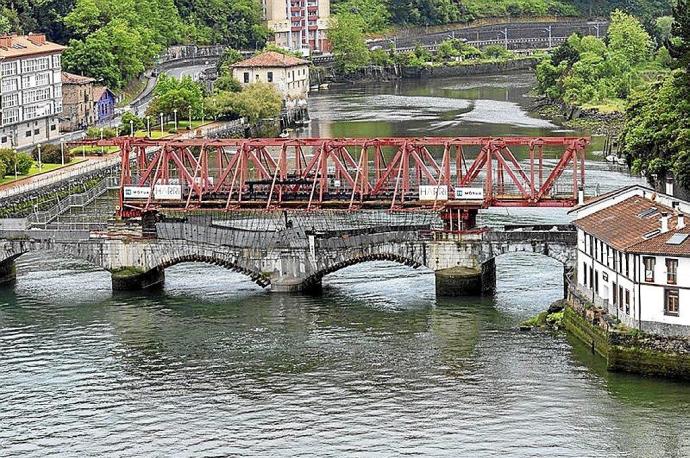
<point x="51" y="154"/>
<point x="95" y="132"/>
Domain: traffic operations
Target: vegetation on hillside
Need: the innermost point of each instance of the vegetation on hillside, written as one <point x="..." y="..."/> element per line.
<point x="379" y="15"/>
<point x="588" y="71"/>
<point x="657" y="129"/>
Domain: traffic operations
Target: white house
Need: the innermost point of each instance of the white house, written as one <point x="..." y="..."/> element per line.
<point x="634" y="258"/>
<point x="288" y="74"/>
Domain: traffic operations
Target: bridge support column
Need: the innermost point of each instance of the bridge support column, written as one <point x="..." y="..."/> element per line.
<point x="489" y="276"/>
<point x="295" y="285"/>
<point x="8" y="272"/>
<point x="133" y="278"/>
<point x="459" y="281"/>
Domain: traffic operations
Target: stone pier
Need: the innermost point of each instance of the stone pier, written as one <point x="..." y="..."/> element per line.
<point x="132" y="278"/>
<point x="8" y="272"/>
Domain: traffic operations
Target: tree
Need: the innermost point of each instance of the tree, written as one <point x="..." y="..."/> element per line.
<point x="627" y="37"/>
<point x="347" y="39"/>
<point x="257" y="101"/>
<point x="227" y="83"/>
<point x="171" y="94"/>
<point x="24" y="163"/>
<point x="679" y="45"/>
<point x="51" y="154"/>
<point x="130" y="120"/>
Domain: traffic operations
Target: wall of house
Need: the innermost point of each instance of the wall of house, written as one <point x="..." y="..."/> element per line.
<point x="654" y="316"/>
<point x="292" y="82"/>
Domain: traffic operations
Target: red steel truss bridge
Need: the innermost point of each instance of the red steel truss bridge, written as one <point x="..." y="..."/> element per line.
<point x="444" y="174"/>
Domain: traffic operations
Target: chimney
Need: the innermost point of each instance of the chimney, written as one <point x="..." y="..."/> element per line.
<point x="664" y="223"/>
<point x="669" y="186"/>
<point x="580" y="195"/>
<point x="37" y="38"/>
<point x="681" y="221"/>
<point x="5" y="41"/>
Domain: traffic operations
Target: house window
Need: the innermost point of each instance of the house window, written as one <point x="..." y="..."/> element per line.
<point x="620" y="297"/>
<point x="9" y="69"/>
<point x="627" y="302"/>
<point x="671" y="271"/>
<point x="269" y="77"/>
<point x="615" y="294"/>
<point x="584" y="276"/>
<point x="257" y="77"/>
<point x="649" y="264"/>
<point x="246" y="77"/>
<point x="28" y="133"/>
<point x="4" y="139"/>
<point x="671" y="302"/>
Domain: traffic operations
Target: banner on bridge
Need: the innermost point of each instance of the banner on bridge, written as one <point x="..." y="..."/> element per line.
<point x="469" y="193"/>
<point x="427" y="192"/>
<point x="167" y="192"/>
<point x="136" y="192"/>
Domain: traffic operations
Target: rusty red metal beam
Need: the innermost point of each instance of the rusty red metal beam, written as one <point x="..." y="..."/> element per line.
<point x="349" y="173"/>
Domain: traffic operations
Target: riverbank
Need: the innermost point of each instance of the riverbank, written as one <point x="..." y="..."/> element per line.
<point x="597" y="122"/>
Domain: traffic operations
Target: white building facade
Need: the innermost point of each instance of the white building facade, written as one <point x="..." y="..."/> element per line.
<point x="288" y="74"/>
<point x="634" y="259"/>
<point x="30" y="90"/>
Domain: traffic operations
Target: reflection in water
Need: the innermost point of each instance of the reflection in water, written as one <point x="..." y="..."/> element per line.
<point x="214" y="365"/>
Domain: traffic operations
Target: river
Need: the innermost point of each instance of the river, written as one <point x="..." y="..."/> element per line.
<point x="214" y="366"/>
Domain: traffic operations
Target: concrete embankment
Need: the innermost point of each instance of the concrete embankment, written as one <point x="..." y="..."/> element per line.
<point x="626" y="350"/>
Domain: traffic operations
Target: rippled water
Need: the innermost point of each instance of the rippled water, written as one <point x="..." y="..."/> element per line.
<point x="377" y="365"/>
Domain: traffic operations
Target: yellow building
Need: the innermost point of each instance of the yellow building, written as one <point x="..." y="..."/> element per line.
<point x="299" y="25"/>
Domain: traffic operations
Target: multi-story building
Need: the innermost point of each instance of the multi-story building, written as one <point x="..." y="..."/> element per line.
<point x="288" y="74"/>
<point x="634" y="258"/>
<point x="77" y="102"/>
<point x="299" y="25"/>
<point x="30" y="90"/>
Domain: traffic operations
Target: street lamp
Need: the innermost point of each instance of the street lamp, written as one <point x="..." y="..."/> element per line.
<point x="62" y="152"/>
<point x="161" y="124"/>
<point x="202" y="114"/>
<point x="101" y="141"/>
<point x="190" y="116"/>
<point x="148" y="125"/>
<point x="548" y="29"/>
<point x="40" y="165"/>
<point x="131" y="128"/>
<point x="175" y="113"/>
<point x="505" y="35"/>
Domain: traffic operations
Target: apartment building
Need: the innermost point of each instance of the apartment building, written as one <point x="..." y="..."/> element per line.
<point x="299" y="25"/>
<point x="77" y="102"/>
<point x="634" y="258"/>
<point x="30" y="90"/>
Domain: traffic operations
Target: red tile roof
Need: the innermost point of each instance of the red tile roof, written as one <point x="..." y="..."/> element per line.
<point x="270" y="59"/>
<point x="71" y="78"/>
<point x="25" y="45"/>
<point x="626" y="227"/>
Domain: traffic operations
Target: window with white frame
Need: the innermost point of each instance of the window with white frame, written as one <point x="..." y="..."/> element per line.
<point x="10" y="100"/>
<point x="10" y="116"/>
<point x="9" y="68"/>
<point x="56" y="61"/>
<point x="35" y="65"/>
<point x="9" y="84"/>
<point x="42" y="79"/>
<point x="37" y="95"/>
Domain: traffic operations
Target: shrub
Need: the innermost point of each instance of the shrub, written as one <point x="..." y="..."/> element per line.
<point x="95" y="132"/>
<point x="3" y="169"/>
<point x="7" y="159"/>
<point x="137" y="122"/>
<point x="496" y="52"/>
<point x="24" y="163"/>
<point x="51" y="154"/>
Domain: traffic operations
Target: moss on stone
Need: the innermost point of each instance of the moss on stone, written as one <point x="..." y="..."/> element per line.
<point x="123" y="272"/>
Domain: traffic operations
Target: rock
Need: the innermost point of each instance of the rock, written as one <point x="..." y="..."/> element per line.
<point x="556" y="307"/>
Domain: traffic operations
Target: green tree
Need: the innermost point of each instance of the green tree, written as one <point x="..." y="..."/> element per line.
<point x="136" y="122"/>
<point x="229" y="57"/>
<point x="171" y="94"/>
<point x="257" y="101"/>
<point x="227" y="83"/>
<point x="24" y="163"/>
<point x="347" y="39"/>
<point x="374" y="14"/>
<point x="51" y="154"/>
<point x="627" y="37"/>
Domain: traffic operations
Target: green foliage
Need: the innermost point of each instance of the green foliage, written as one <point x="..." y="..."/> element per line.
<point x="381" y="57"/>
<point x="95" y="132"/>
<point x="7" y="159"/>
<point x="3" y="170"/>
<point x="588" y="71"/>
<point x="24" y="163"/>
<point x="51" y="154"/>
<point x="136" y="122"/>
<point x="347" y="39"/>
<point x="257" y="101"/>
<point x="229" y="57"/>
<point x="374" y="14"/>
<point x="496" y="52"/>
<point x="172" y="94"/>
<point x="227" y="83"/>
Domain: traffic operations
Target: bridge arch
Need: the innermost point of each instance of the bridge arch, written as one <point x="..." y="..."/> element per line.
<point x="315" y="279"/>
<point x="256" y="277"/>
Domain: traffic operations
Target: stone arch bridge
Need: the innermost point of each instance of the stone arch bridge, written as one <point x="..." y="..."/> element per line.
<point x="292" y="259"/>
